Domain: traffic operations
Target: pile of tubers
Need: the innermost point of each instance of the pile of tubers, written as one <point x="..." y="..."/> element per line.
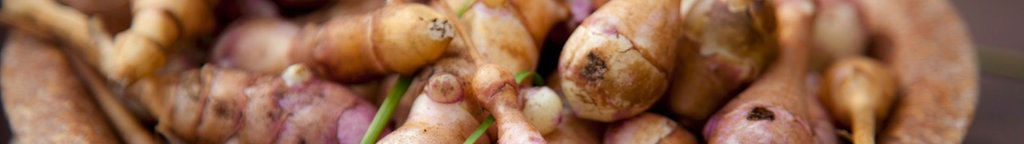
<point x="486" y="71"/>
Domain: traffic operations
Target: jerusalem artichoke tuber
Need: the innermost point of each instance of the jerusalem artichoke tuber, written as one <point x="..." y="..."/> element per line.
<point x="648" y="128"/>
<point x="930" y="50"/>
<point x="43" y="99"/>
<point x="443" y="111"/>
<point x="773" y="109"/>
<point x="618" y="63"/>
<point x="218" y="105"/>
<point x="859" y="92"/>
<point x="733" y="42"/>
<point x="399" y="38"/>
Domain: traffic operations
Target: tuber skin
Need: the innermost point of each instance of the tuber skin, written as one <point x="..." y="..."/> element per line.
<point x="539" y="16"/>
<point x="495" y="89"/>
<point x="398" y="38"/>
<point x="214" y="105"/>
<point x="134" y="53"/>
<point x="648" y="128"/>
<point x="44" y="100"/>
<point x="572" y="129"/>
<point x="581" y="9"/>
<point x="732" y="43"/>
<point x="773" y="109"/>
<point x="838" y="33"/>
<point x="859" y="92"/>
<point x="542" y="107"/>
<point x="618" y="62"/>
<point x="929" y="49"/>
<point x="498" y="34"/>
<point x="820" y="118"/>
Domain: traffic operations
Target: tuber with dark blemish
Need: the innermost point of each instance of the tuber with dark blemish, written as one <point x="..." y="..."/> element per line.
<point x="619" y="61"/>
<point x="733" y="42"/>
<point x="774" y="109"/>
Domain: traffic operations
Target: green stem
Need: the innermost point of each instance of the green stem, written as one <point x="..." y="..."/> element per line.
<point x="537" y="80"/>
<point x="464" y="8"/>
<point x="384" y="113"/>
<point x="480" y="130"/>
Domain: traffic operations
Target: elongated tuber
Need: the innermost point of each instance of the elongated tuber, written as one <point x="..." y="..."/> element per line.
<point x="773" y="109"/>
<point x="618" y="62"/>
<point x="399" y="38"/>
<point x="929" y="49"/>
<point x="859" y="92"/>
<point x="44" y="100"/>
<point x="648" y="128"/>
<point x="214" y="105"/>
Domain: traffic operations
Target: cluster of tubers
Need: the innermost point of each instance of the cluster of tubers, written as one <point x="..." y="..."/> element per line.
<point x="473" y="71"/>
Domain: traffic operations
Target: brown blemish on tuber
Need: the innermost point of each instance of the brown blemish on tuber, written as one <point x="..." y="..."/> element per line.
<point x="760" y="113"/>
<point x="594" y="69"/>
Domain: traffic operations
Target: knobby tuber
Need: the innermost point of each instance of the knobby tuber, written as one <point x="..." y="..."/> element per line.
<point x="773" y="109"/>
<point x="619" y="61"/>
<point x="648" y="128"/>
<point x="214" y="105"/>
<point x="131" y="54"/>
<point x="45" y="102"/>
<point x="488" y="84"/>
<point x="495" y="89"/>
<point x="733" y="42"/>
<point x="930" y="51"/>
<point x="398" y="38"/>
<point x="859" y="92"/>
<point x="440" y="114"/>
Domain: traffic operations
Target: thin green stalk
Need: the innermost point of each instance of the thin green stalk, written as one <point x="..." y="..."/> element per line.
<point x="480" y="130"/>
<point x="537" y="80"/>
<point x="464" y="8"/>
<point x="384" y="113"/>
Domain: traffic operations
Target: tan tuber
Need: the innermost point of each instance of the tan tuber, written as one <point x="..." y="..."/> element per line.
<point x="733" y="42"/>
<point x="774" y="109"/>
<point x="859" y="92"/>
<point x="648" y="128"/>
<point x="43" y="99"/>
<point x="398" y="38"/>
<point x="619" y="61"/>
